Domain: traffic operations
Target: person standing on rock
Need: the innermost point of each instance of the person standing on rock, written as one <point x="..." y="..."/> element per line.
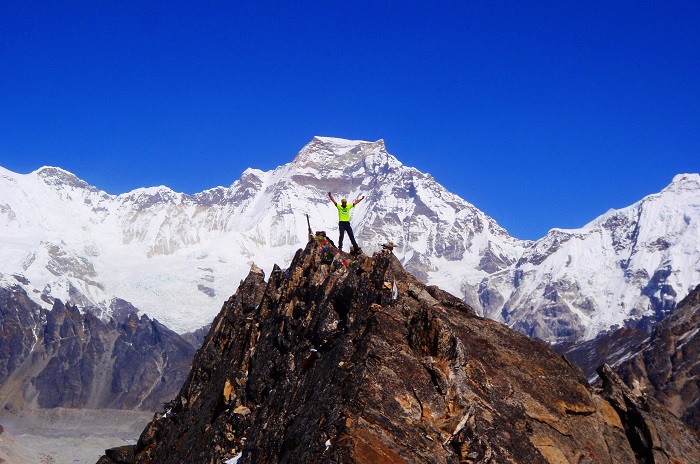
<point x="344" y="221"/>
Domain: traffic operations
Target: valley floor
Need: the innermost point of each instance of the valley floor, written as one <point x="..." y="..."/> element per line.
<point x="66" y="436"/>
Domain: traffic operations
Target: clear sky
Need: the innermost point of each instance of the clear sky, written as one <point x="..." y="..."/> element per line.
<point x="542" y="114"/>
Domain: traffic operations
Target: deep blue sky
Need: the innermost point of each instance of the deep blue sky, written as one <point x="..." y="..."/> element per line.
<point x="542" y="114"/>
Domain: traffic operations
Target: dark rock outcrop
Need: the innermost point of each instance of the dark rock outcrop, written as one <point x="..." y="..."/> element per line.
<point x="656" y="436"/>
<point x="65" y="358"/>
<point x="120" y="455"/>
<point x="19" y="319"/>
<point x="328" y="363"/>
<point x="667" y="365"/>
<point x="73" y="345"/>
<point x="607" y="348"/>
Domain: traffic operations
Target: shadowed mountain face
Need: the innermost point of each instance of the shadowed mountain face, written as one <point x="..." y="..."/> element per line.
<point x="607" y="348"/>
<point x="667" y="365"/>
<point x="663" y="364"/>
<point x="65" y="358"/>
<point x="356" y="361"/>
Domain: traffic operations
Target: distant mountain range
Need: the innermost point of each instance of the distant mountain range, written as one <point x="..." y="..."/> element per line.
<point x="177" y="257"/>
<point x="65" y="358"/>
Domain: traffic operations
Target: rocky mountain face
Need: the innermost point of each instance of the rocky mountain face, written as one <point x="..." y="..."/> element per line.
<point x="174" y="255"/>
<point x="611" y="347"/>
<point x="342" y="359"/>
<point x="667" y="365"/>
<point x="65" y="358"/>
<point x="662" y="365"/>
<point x="20" y="321"/>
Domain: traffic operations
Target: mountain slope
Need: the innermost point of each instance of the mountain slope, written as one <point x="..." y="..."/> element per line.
<point x="627" y="264"/>
<point x="357" y="362"/>
<point x="666" y="366"/>
<point x="663" y="365"/>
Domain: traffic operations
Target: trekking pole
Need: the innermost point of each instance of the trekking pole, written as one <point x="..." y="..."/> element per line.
<point x="308" y="223"/>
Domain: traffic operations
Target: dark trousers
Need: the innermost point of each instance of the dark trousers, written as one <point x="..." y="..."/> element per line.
<point x="345" y="227"/>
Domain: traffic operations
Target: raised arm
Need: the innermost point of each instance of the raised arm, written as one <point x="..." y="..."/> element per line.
<point x="330" y="195"/>
<point x="358" y="200"/>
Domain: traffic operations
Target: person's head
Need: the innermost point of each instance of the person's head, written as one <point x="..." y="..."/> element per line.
<point x="344" y="202"/>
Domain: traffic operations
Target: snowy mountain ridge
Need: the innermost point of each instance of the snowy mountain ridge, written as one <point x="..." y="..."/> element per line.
<point x="177" y="257"/>
<point x="627" y="264"/>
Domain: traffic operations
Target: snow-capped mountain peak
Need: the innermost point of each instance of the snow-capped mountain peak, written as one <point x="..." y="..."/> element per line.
<point x="688" y="182"/>
<point x="161" y="250"/>
<point x="627" y="265"/>
<point x="331" y="154"/>
<point x="178" y="256"/>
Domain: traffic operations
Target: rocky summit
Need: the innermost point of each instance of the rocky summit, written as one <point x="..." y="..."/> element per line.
<point x="350" y="359"/>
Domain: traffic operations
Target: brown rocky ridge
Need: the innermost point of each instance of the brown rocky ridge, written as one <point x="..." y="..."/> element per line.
<point x="356" y="361"/>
